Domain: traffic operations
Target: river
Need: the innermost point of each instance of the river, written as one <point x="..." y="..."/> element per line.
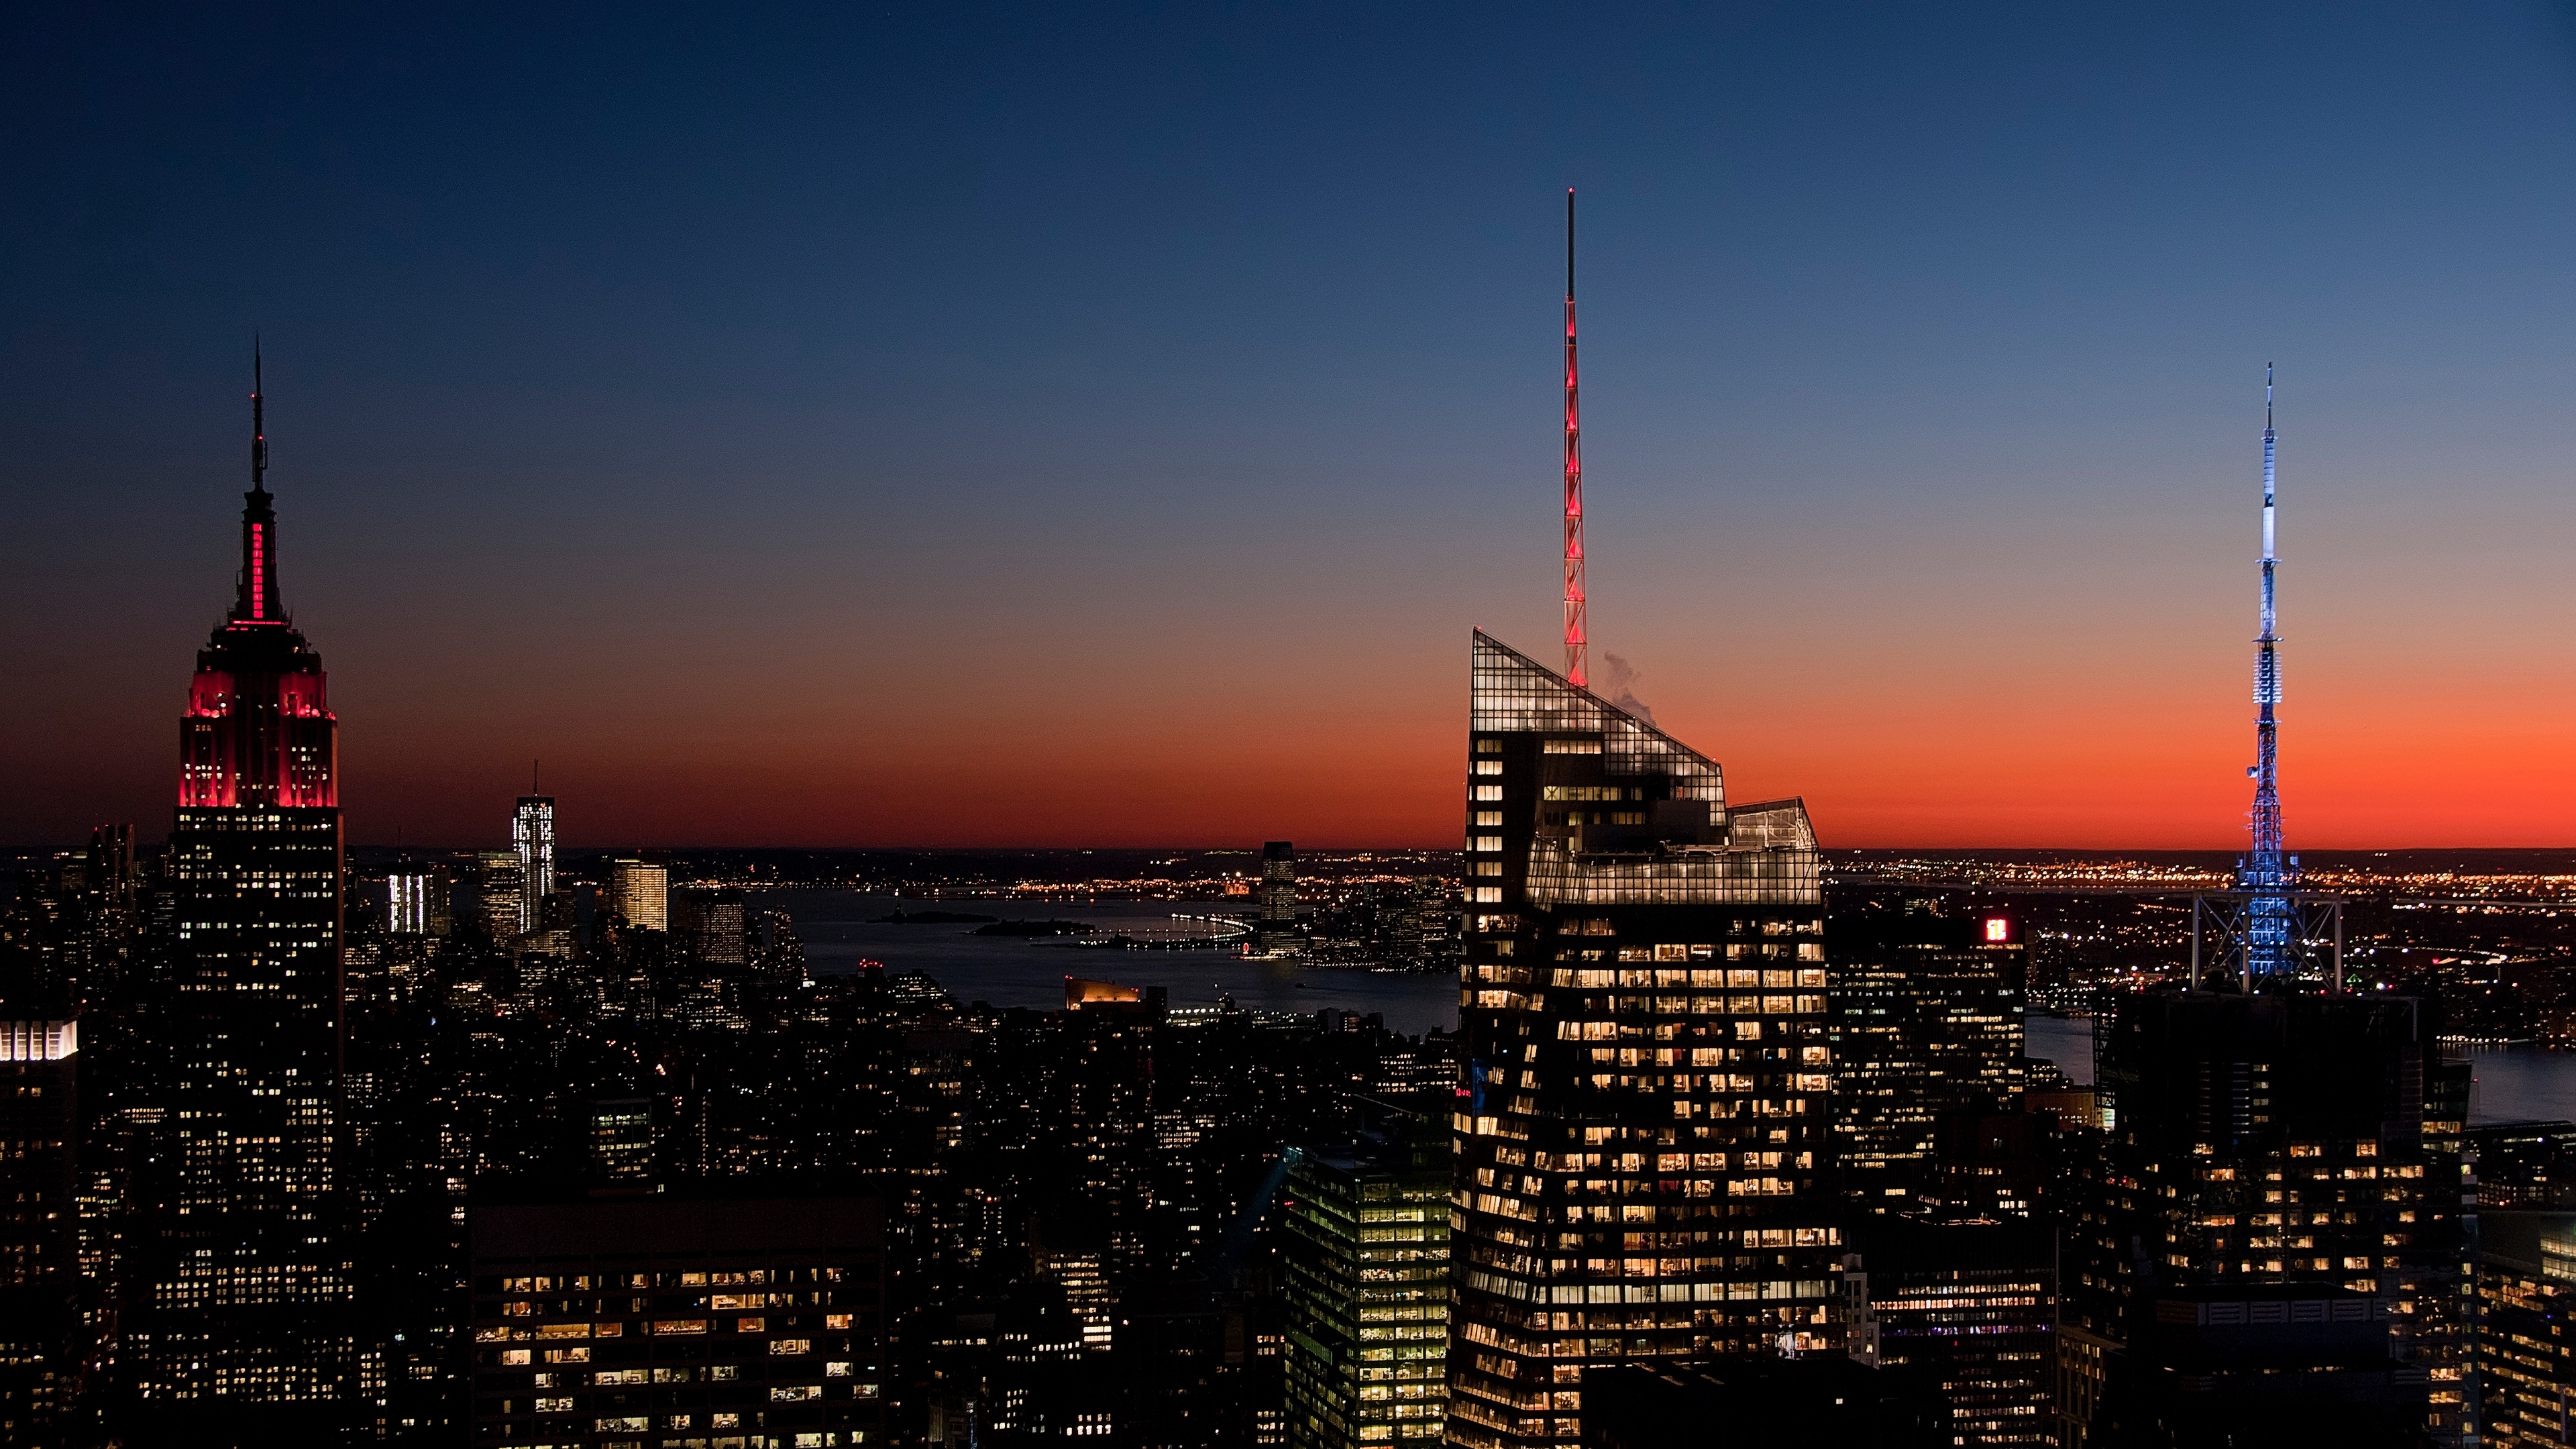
<point x="2513" y="1084"/>
<point x="839" y="929"/>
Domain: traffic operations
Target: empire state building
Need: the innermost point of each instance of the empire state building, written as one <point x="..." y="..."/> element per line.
<point x="242" y="1310"/>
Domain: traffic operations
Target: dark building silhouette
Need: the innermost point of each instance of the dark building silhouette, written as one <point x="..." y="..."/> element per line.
<point x="236" y="1317"/>
<point x="1643" y="1148"/>
<point x="2263" y="1148"/>
<point x="732" y="1319"/>
<point x="1275" y="905"/>
<point x="1968" y="1309"/>
<point x="1927" y="1024"/>
<point x="41" y="1329"/>
<point x="1827" y="1399"/>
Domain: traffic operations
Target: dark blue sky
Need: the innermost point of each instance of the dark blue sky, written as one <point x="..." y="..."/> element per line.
<point x="729" y="406"/>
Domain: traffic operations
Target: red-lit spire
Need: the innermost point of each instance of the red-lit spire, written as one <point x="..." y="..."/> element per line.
<point x="257" y="602"/>
<point x="1574" y="620"/>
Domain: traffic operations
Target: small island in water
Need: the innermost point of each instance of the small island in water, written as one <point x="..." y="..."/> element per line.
<point x="902" y="917"/>
<point x="1034" y="928"/>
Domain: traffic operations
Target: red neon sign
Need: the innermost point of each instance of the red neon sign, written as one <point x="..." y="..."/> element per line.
<point x="1998" y="929"/>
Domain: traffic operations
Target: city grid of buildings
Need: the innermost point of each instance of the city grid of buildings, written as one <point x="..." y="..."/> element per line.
<point x="522" y="1147"/>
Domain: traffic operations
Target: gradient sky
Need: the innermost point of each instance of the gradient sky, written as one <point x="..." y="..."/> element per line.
<point x="1058" y="425"/>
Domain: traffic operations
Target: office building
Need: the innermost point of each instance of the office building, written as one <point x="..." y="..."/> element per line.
<point x="2526" y="1326"/>
<point x="41" y="1330"/>
<point x="241" y="1314"/>
<point x="1275" y="900"/>
<point x="621" y="1141"/>
<point x="1967" y="1309"/>
<point x="1642" y="1158"/>
<point x="500" y="895"/>
<point x="639" y="893"/>
<point x="532" y="839"/>
<point x="741" y="1322"/>
<point x="1827" y="1399"/>
<point x="416" y="899"/>
<point x="711" y="922"/>
<point x="2265" y="1148"/>
<point x="1927" y="1024"/>
<point x="1367" y="1286"/>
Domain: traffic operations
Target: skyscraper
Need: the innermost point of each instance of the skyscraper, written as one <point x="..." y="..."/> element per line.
<point x="243" y="1306"/>
<point x="1641" y="1149"/>
<point x="40" y="1268"/>
<point x="1368" y="1287"/>
<point x="639" y="892"/>
<point x="1927" y="1023"/>
<point x="1276" y="916"/>
<point x="532" y="835"/>
<point x="501" y="894"/>
<point x="2267" y="1148"/>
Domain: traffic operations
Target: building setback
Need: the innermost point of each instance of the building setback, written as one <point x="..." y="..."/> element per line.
<point x="241" y="1308"/>
<point x="1641" y="1150"/>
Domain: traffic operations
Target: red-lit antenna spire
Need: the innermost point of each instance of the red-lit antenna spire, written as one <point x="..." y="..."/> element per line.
<point x="1574" y="621"/>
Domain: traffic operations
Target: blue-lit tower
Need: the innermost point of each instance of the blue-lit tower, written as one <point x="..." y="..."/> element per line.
<point x="2264" y="874"/>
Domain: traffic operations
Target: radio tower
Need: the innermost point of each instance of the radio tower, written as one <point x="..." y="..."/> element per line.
<point x="1574" y="622"/>
<point x="2264" y="875"/>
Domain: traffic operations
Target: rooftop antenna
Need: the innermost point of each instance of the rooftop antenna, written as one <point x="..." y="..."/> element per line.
<point x="2266" y="877"/>
<point x="258" y="423"/>
<point x="1575" y="624"/>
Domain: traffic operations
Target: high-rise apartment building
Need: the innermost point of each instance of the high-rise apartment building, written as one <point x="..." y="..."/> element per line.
<point x="2265" y="1149"/>
<point x="1927" y="1024"/>
<point x="1367" y="1286"/>
<point x="532" y="838"/>
<point x="41" y="1336"/>
<point x="1641" y="1168"/>
<point x="245" y="1275"/>
<point x="639" y="893"/>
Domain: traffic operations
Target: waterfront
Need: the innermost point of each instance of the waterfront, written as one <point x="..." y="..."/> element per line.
<point x="841" y="928"/>
<point x="2514" y="1084"/>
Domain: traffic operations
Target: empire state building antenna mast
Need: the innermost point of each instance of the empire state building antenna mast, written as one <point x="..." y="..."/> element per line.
<point x="2265" y="876"/>
<point x="1574" y="619"/>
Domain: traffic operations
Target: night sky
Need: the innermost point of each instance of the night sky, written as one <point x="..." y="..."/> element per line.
<point x="983" y="425"/>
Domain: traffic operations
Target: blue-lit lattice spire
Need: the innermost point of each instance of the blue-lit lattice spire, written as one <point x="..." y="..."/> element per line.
<point x="2264" y="874"/>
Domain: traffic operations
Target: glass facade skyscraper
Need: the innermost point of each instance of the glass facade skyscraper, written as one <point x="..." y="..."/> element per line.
<point x="1367" y="1287"/>
<point x="532" y="835"/>
<point x="1643" y="1125"/>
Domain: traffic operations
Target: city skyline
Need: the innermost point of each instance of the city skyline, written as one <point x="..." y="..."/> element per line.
<point x="1106" y="545"/>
